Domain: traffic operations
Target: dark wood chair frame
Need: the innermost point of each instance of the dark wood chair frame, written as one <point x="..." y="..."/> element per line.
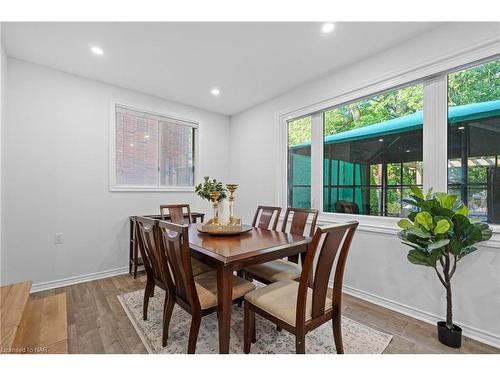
<point x="331" y="238"/>
<point x="297" y="226"/>
<point x="147" y="235"/>
<point x="176" y="213"/>
<point x="174" y="242"/>
<point x="266" y="215"/>
<point x="134" y="260"/>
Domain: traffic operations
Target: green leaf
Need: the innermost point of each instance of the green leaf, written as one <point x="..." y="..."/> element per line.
<point x="440" y="197"/>
<point x="411" y="201"/>
<point x="461" y="223"/>
<point x="486" y="232"/>
<point x="419" y="258"/>
<point x="415" y="246"/>
<point x="462" y="211"/>
<point x="423" y="242"/>
<point x="449" y="200"/>
<point x="411" y="215"/>
<point x="424" y="219"/>
<point x="438" y="244"/>
<point x="419" y="232"/>
<point x="442" y="226"/>
<point x="455" y="246"/>
<point x="429" y="194"/>
<point x="405" y="223"/>
<point x="403" y="235"/>
<point x="441" y="211"/>
<point x="435" y="255"/>
<point x="466" y="251"/>
<point x="472" y="235"/>
<point x="417" y="191"/>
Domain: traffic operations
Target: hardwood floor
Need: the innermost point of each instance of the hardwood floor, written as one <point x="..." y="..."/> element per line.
<point x="98" y="324"/>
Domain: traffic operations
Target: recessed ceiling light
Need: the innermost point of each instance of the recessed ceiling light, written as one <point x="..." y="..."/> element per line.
<point x="97" y="50"/>
<point x="461" y="128"/>
<point x="215" y="91"/>
<point x="407" y="150"/>
<point x="381" y="139"/>
<point x="327" y="27"/>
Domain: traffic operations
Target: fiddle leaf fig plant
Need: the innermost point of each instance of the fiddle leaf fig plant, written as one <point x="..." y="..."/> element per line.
<point x="209" y="186"/>
<point x="440" y="233"/>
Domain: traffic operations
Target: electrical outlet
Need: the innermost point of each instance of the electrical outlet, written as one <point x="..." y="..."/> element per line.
<point x="58" y="239"/>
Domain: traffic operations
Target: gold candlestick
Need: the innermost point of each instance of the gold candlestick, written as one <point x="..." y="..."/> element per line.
<point x="232" y="220"/>
<point x="214" y="196"/>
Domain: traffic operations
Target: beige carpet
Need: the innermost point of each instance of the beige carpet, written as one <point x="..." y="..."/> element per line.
<point x="358" y="338"/>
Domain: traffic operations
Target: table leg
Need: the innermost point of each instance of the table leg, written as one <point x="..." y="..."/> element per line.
<point x="224" y="296"/>
<point x="131" y="246"/>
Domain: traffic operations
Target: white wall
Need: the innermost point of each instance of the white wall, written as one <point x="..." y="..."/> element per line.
<point x="55" y="151"/>
<point x="377" y="267"/>
<point x="3" y="102"/>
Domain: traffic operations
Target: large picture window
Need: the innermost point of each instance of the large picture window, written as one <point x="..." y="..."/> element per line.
<point x="474" y="139"/>
<point x="373" y="153"/>
<point x="152" y="151"/>
<point x="362" y="156"/>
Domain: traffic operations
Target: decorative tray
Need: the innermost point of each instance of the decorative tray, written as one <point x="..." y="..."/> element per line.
<point x="223" y="230"/>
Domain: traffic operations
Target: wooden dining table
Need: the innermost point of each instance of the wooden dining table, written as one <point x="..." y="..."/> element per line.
<point x="228" y="254"/>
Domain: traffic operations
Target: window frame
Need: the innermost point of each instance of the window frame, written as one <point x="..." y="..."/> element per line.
<point x="434" y="78"/>
<point x="113" y="186"/>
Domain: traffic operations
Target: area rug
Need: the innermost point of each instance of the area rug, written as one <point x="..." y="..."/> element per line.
<point x="358" y="338"/>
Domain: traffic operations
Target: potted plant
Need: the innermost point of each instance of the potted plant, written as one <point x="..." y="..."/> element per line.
<point x="441" y="234"/>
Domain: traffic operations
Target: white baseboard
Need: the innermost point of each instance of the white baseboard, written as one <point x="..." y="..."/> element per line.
<point x="38" y="287"/>
<point x="471" y="332"/>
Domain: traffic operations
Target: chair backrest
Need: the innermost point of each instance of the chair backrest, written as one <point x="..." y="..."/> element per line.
<point x="174" y="240"/>
<point x="298" y="222"/>
<point x="154" y="260"/>
<point x="176" y="213"/>
<point x="346" y="207"/>
<point x="331" y="244"/>
<point x="266" y="217"/>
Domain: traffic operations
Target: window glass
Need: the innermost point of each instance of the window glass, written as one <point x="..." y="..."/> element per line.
<point x="299" y="163"/>
<point x="176" y="154"/>
<point x="136" y="150"/>
<point x="153" y="151"/>
<point x="474" y="139"/>
<point x="373" y="153"/>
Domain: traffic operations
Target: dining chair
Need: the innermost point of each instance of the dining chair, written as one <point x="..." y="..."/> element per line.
<point x="154" y="262"/>
<point x="177" y="214"/>
<point x="266" y="217"/>
<point x="295" y="222"/>
<point x="298" y="307"/>
<point x="197" y="295"/>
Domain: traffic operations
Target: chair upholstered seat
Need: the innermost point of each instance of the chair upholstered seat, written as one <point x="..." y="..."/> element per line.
<point x="276" y="270"/>
<point x="199" y="267"/>
<point x="206" y="287"/>
<point x="280" y="300"/>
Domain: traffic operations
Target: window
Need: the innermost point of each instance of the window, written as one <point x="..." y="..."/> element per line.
<point x="474" y="139"/>
<point x="299" y="163"/>
<point x="373" y="153"/>
<point x="152" y="151"/>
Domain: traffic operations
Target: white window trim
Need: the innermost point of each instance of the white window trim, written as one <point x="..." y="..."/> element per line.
<point x="431" y="74"/>
<point x="113" y="186"/>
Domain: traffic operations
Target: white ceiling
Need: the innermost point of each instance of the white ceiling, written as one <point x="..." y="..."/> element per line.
<point x="249" y="62"/>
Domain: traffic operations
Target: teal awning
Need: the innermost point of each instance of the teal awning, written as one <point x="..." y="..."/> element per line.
<point x="467" y="112"/>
